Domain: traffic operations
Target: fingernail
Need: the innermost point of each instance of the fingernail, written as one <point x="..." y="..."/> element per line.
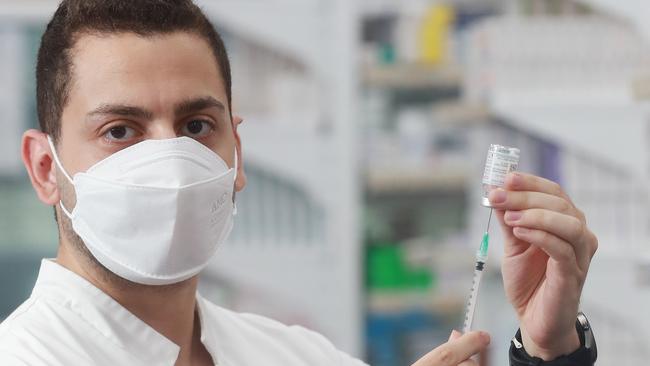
<point x="497" y="196"/>
<point x="522" y="230"/>
<point x="515" y="179"/>
<point x="454" y="334"/>
<point x="513" y="216"/>
<point x="485" y="337"/>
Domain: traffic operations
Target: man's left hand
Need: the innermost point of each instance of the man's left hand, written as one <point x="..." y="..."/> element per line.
<point x="548" y="249"/>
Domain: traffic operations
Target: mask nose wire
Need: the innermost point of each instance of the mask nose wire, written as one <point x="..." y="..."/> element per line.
<point x="60" y="166"/>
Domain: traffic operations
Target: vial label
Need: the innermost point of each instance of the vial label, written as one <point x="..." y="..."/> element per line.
<point x="500" y="161"/>
<point x="498" y="165"/>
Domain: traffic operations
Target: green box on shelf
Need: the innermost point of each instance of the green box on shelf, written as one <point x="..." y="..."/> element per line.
<point x="387" y="270"/>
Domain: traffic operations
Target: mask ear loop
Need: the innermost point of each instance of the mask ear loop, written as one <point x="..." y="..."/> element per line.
<point x="60" y="166"/>
<point x="234" y="203"/>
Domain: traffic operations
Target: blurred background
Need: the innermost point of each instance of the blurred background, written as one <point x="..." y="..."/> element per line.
<point x="367" y="126"/>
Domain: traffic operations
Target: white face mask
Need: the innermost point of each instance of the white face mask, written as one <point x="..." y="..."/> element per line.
<point x="155" y="212"/>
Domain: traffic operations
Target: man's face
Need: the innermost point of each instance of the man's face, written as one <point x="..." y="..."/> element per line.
<point x="127" y="88"/>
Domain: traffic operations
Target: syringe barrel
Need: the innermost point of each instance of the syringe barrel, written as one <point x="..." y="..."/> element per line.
<point x="480" y="263"/>
<point x="471" y="303"/>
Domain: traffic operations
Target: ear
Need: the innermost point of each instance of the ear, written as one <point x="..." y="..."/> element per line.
<point x="40" y="165"/>
<point x="240" y="182"/>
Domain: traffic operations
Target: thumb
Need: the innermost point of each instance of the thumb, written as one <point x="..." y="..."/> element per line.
<point x="454" y="335"/>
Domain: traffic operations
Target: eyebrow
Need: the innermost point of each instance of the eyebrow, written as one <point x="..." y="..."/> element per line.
<point x="183" y="108"/>
<point x="197" y="104"/>
<point x="120" y="110"/>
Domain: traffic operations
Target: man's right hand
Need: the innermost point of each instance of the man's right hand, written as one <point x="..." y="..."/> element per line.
<point x="457" y="351"/>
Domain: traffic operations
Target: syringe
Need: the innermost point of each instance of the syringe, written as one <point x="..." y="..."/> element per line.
<point x="500" y="161"/>
<point x="481" y="259"/>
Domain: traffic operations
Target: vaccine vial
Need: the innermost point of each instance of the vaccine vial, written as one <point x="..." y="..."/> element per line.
<point x="500" y="161"/>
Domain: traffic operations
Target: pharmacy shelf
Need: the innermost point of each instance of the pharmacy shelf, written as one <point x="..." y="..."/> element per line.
<point x="634" y="10"/>
<point x="396" y="302"/>
<point x="412" y="76"/>
<point x="401" y="178"/>
<point x="266" y="22"/>
<point x="269" y="23"/>
<point x="460" y="113"/>
<point x="264" y="144"/>
<point x="375" y="8"/>
<point x="616" y="133"/>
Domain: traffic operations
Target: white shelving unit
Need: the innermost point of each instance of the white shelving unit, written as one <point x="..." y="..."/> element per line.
<point x="295" y="254"/>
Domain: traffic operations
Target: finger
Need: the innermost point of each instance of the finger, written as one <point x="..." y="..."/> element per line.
<point x="559" y="250"/>
<point x="514" y="246"/>
<point x="456" y="351"/>
<point x="592" y="241"/>
<point x="469" y="362"/>
<point x="521" y="200"/>
<point x="565" y="227"/>
<point x="518" y="181"/>
<point x="454" y="335"/>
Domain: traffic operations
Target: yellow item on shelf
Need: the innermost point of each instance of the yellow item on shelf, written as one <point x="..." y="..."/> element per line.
<point x="434" y="34"/>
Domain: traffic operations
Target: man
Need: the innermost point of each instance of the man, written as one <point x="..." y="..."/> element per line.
<point x="140" y="156"/>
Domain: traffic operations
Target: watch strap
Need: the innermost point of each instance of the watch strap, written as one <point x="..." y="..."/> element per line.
<point x="581" y="357"/>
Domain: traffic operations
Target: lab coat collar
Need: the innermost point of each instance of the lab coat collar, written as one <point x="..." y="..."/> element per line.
<point x="209" y="336"/>
<point x="112" y="320"/>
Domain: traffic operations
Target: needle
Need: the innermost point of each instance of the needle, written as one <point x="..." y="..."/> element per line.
<point x="487" y="230"/>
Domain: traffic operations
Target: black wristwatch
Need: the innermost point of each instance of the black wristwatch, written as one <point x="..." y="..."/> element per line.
<point x="584" y="356"/>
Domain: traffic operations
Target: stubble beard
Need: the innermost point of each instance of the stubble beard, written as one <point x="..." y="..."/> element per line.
<point x="81" y="251"/>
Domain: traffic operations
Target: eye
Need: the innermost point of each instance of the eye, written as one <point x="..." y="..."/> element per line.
<point x="197" y="128"/>
<point x="119" y="133"/>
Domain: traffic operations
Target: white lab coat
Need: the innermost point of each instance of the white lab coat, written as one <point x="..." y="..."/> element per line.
<point x="69" y="322"/>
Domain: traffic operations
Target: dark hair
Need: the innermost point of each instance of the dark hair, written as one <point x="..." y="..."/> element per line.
<point x="143" y="17"/>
